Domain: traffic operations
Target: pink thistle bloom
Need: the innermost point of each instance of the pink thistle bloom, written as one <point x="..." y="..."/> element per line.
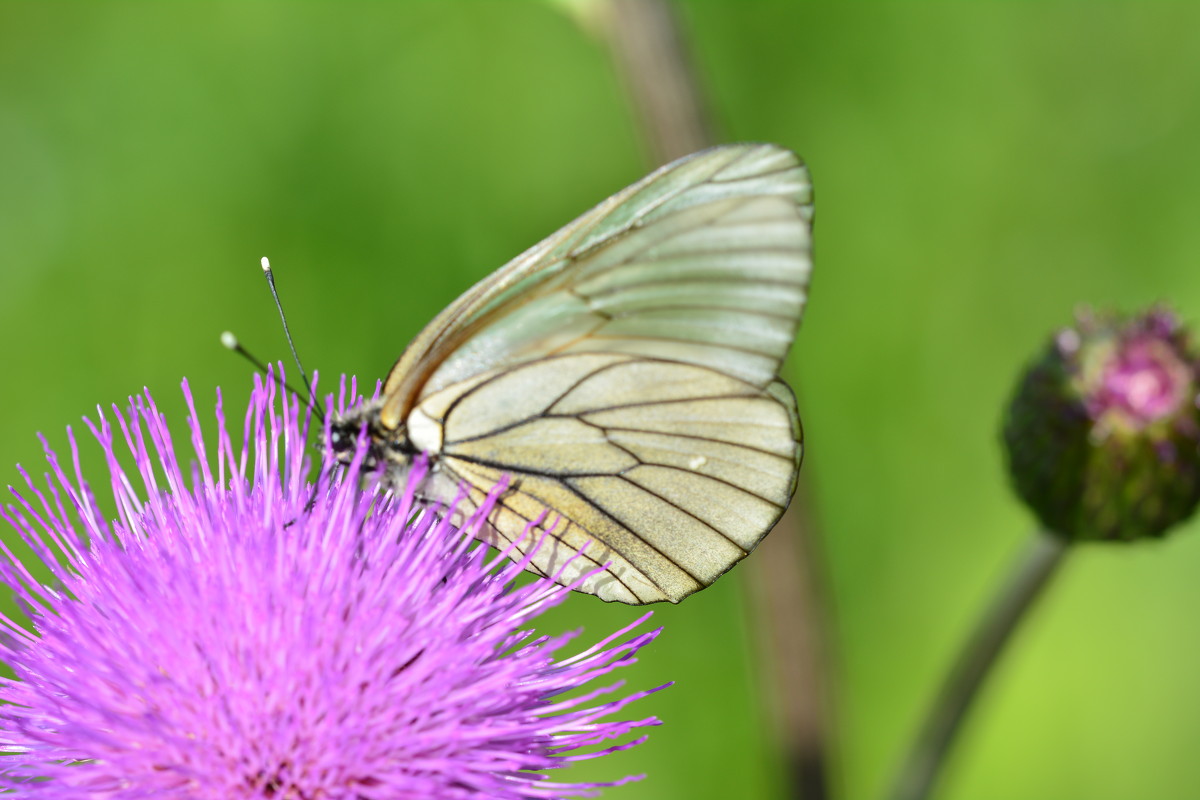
<point x="221" y="640"/>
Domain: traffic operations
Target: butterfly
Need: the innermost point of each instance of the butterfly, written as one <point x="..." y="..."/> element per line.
<point x="623" y="375"/>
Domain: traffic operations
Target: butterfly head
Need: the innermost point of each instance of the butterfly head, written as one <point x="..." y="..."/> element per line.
<point x="385" y="446"/>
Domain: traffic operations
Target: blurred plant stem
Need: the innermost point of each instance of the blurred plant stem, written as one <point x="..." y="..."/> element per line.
<point x="658" y="73"/>
<point x="650" y="53"/>
<point x="790" y="620"/>
<point x="1025" y="583"/>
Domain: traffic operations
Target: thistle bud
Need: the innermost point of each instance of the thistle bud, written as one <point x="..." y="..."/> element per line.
<point x="1103" y="434"/>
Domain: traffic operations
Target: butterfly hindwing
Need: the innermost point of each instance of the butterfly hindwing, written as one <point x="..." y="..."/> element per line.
<point x="670" y="471"/>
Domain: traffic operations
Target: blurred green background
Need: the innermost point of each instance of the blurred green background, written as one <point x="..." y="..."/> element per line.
<point x="981" y="169"/>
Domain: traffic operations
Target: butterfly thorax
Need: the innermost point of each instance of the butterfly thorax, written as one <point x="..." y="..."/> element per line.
<point x="389" y="448"/>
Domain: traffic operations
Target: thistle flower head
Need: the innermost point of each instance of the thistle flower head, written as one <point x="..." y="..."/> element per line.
<point x="236" y="633"/>
<point x="1104" y="429"/>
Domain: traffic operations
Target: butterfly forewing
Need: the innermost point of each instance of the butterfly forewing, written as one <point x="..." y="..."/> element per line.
<point x="750" y="206"/>
<point x="623" y="374"/>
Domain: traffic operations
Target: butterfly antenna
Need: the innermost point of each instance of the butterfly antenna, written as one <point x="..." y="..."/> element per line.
<point x="266" y="268"/>
<point x="231" y="343"/>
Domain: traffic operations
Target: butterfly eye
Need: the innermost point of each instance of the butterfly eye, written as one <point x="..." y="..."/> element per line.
<point x="341" y="443"/>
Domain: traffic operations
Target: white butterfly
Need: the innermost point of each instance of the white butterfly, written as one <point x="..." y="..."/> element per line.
<point x="624" y="373"/>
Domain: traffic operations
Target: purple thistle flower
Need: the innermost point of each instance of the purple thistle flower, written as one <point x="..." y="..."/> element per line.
<point x="220" y="640"/>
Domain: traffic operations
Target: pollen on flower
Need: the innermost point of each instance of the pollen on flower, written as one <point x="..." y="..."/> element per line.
<point x="236" y="633"/>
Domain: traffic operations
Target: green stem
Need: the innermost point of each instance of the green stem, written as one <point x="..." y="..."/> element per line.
<point x="1030" y="575"/>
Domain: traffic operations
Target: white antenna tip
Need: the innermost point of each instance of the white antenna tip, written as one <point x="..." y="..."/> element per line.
<point x="229" y="340"/>
<point x="266" y="265"/>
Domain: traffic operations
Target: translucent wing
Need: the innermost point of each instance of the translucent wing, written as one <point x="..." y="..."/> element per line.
<point x="704" y="261"/>
<point x="623" y="373"/>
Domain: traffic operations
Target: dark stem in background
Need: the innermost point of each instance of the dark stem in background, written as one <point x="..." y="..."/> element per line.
<point x="657" y="70"/>
<point x="1025" y="583"/>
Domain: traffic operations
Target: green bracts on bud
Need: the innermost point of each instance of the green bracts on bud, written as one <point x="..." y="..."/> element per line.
<point x="1103" y="434"/>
